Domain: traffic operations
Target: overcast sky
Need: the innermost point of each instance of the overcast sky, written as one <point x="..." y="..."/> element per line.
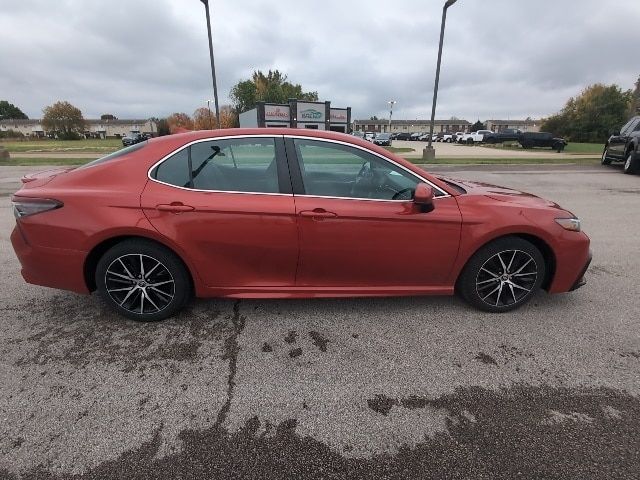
<point x="141" y="58"/>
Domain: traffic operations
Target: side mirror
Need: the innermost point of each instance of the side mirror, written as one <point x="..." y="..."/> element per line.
<point x="423" y="197"/>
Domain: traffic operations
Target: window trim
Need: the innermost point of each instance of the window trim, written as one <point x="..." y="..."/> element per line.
<point x="279" y="161"/>
<point x="298" y="185"/>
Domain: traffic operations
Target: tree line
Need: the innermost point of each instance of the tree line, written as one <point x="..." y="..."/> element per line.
<point x="595" y="113"/>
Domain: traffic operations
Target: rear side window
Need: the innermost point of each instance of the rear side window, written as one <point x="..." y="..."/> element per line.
<point x="230" y="165"/>
<point x="175" y="170"/>
<point x="117" y="154"/>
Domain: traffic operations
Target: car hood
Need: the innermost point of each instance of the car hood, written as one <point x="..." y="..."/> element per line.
<point x="502" y="194"/>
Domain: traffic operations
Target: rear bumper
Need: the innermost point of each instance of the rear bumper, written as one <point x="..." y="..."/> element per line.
<point x="50" y="267"/>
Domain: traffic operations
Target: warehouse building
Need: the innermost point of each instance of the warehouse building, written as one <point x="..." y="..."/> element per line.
<point x="93" y="128"/>
<point x="298" y="114"/>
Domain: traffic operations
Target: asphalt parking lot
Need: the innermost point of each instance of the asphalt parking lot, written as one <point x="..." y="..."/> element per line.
<point x="386" y="388"/>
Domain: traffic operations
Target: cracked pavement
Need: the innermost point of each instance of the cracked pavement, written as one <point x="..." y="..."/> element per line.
<point x="421" y="387"/>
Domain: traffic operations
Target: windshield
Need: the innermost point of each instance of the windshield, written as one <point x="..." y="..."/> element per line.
<point x="117" y="154"/>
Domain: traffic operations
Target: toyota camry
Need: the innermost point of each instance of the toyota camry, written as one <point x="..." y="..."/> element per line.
<point x="285" y="213"/>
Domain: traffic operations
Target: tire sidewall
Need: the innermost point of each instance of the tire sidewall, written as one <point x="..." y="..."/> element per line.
<point x="630" y="163"/>
<point x="175" y="266"/>
<point x="466" y="284"/>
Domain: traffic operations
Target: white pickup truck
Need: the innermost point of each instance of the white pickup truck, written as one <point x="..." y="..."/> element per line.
<point x="474" y="137"/>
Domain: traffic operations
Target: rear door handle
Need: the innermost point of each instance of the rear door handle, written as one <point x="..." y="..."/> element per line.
<point x="175" y="207"/>
<point x="318" y="213"/>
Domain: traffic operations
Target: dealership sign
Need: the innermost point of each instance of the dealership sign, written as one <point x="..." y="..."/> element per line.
<point x="311" y="112"/>
<point x="339" y="115"/>
<point x="276" y="112"/>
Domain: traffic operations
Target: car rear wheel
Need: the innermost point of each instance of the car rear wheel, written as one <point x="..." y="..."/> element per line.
<point x="605" y="160"/>
<point x="631" y="163"/>
<point x="142" y="281"/>
<point x="469" y="141"/>
<point x="502" y="275"/>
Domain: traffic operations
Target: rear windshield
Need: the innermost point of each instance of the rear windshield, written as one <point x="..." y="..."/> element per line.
<point x="117" y="154"/>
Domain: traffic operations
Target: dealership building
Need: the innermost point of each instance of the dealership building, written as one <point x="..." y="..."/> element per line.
<point x="298" y="114"/>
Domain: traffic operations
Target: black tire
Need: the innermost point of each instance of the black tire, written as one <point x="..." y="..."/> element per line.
<point x="485" y="285"/>
<point x="631" y="166"/>
<point x="469" y="141"/>
<point x="605" y="160"/>
<point x="119" y="275"/>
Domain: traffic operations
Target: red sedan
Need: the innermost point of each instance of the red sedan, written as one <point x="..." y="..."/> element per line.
<point x="274" y="213"/>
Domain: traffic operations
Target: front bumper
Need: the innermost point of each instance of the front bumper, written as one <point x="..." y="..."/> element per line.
<point x="581" y="280"/>
<point x="50" y="267"/>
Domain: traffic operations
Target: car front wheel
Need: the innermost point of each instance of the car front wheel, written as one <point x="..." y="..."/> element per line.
<point x="502" y="275"/>
<point x="142" y="280"/>
<point x="605" y="160"/>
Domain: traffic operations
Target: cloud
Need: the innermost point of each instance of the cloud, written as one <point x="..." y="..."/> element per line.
<point x="504" y="58"/>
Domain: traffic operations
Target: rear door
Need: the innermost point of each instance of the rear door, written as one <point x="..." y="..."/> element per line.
<point x="358" y="224"/>
<point x="227" y="203"/>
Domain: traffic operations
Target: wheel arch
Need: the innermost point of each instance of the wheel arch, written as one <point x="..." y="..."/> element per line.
<point x="94" y="255"/>
<point x="544" y="248"/>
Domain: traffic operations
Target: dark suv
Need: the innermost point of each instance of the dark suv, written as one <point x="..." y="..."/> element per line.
<point x="623" y="146"/>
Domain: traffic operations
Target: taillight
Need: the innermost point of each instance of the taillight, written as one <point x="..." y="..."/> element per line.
<point x="24" y="207"/>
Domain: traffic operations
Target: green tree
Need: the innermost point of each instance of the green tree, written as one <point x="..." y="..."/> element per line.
<point x="108" y="116"/>
<point x="163" y="127"/>
<point x="477" y="126"/>
<point x="635" y="101"/>
<point x="592" y="115"/>
<point x="272" y="87"/>
<point x="9" y="110"/>
<point x="374" y="118"/>
<point x="63" y="119"/>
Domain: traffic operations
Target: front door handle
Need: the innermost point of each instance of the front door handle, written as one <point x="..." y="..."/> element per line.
<point x="175" y="207"/>
<point x="318" y="213"/>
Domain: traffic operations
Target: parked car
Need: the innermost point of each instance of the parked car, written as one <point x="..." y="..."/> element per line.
<point x="446" y="137"/>
<point x="247" y="214"/>
<point x="542" y="139"/>
<point x="416" y="136"/>
<point x="369" y="136"/>
<point x="383" y="139"/>
<point x="394" y="136"/>
<point x="133" y="139"/>
<point x="506" y="135"/>
<point x="624" y="146"/>
<point x="458" y="136"/>
<point x="403" y="136"/>
<point x="358" y="134"/>
<point x="475" y="137"/>
<point x="424" y="137"/>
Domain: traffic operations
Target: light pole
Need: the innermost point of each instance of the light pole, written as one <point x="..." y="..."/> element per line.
<point x="210" y="119"/>
<point x="429" y="153"/>
<point x="213" y="68"/>
<point x="391" y="104"/>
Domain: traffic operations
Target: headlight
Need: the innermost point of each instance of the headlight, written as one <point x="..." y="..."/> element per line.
<point x="572" y="224"/>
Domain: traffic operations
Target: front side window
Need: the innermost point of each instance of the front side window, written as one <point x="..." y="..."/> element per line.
<point x="232" y="165"/>
<point x="335" y="170"/>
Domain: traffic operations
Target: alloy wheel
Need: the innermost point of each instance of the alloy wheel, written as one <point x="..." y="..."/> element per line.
<point x="140" y="284"/>
<point x="506" y="278"/>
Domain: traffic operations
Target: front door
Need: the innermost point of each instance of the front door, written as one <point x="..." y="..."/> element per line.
<point x="359" y="226"/>
<point x="227" y="203"/>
